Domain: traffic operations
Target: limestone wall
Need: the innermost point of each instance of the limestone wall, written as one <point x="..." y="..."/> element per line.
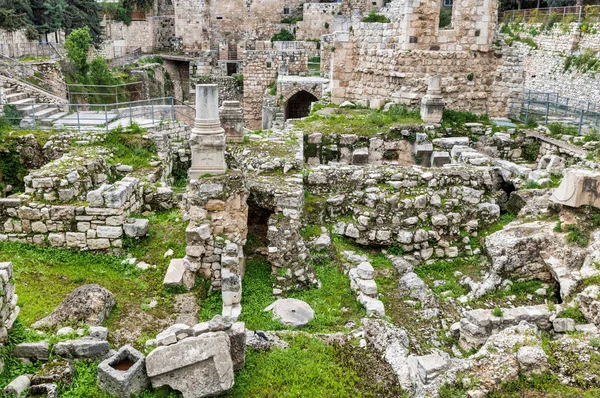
<point x="16" y="44"/>
<point x="122" y="39"/>
<point x="544" y="67"/>
<point x="8" y="302"/>
<point x="318" y="19"/>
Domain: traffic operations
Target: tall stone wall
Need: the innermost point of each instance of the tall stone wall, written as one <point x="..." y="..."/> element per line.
<point x="544" y="67"/>
<point x="318" y="19"/>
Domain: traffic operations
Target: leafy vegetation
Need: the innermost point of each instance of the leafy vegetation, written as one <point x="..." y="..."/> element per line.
<point x="130" y="147"/>
<point x="373" y="16"/>
<point x="573" y="312"/>
<point x="584" y="62"/>
<point x="497" y="312"/>
<point x="456" y="119"/>
<point x="545" y="385"/>
<point x="283" y="35"/>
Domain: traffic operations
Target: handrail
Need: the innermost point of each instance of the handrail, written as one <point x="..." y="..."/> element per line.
<point x="10" y="63"/>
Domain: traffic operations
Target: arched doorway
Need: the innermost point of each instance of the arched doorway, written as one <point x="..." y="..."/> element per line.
<point x="298" y="105"/>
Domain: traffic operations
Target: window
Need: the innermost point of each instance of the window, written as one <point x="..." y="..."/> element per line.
<point x="286" y="11"/>
<point x="219" y="18"/>
<point x="268" y="65"/>
<point x="448" y="3"/>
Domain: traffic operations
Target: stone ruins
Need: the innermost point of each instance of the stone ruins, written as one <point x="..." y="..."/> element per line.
<point x="304" y="199"/>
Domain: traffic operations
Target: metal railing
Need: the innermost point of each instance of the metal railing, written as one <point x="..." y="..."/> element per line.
<point x="80" y="117"/>
<point x="124" y="56"/>
<point x="20" y="71"/>
<point x="533" y="15"/>
<point x="543" y="106"/>
<point x="95" y="93"/>
<point x="31" y="49"/>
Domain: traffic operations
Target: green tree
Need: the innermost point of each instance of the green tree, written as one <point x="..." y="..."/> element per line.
<point x="83" y="13"/>
<point x="283" y="35"/>
<point x="15" y="14"/>
<point x="78" y="44"/>
<point x="48" y="14"/>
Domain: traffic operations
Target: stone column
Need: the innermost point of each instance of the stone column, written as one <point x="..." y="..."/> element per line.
<point x="207" y="140"/>
<point x="432" y="104"/>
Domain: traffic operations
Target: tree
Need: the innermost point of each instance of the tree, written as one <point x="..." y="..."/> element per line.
<point x="15" y="14"/>
<point x="83" y="13"/>
<point x="77" y="45"/>
<point x="48" y="15"/>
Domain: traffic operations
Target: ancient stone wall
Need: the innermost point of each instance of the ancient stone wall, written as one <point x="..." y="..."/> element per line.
<point x="16" y="44"/>
<point x="386" y="205"/>
<point x="8" y="302"/>
<point x="318" y="20"/>
<point x="545" y="68"/>
<point x="230" y="89"/>
<point x="260" y="70"/>
<point x="121" y="38"/>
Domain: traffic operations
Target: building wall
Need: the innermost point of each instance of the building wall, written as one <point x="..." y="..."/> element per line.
<point x="318" y="20"/>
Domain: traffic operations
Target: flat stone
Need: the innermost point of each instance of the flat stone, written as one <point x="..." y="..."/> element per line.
<point x="562" y="325"/>
<point x="365" y="270"/>
<point x="291" y="312"/>
<point x="36" y="351"/>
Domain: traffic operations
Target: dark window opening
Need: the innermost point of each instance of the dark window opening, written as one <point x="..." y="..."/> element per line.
<point x="286" y="11"/>
<point x="231" y="68"/>
<point x="219" y="18"/>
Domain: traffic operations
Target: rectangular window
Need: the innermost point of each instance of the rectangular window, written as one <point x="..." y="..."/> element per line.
<point x="448" y="3"/>
<point x="219" y="18"/>
<point x="286" y="11"/>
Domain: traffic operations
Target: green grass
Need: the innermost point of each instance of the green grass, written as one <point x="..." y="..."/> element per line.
<point x="445" y="269"/>
<point x="310" y="368"/>
<point x="167" y="231"/>
<point x="574" y="313"/>
<point x="542" y="386"/>
<point x="129" y="147"/>
<point x="576" y="236"/>
<point x="327" y="302"/>
<point x="44" y="276"/>
<point x="361" y="122"/>
<point x="497" y="312"/>
<point x="310" y="231"/>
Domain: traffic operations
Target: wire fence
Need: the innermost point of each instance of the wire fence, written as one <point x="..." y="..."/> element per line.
<point x="82" y="117"/>
<point x="548" y="107"/>
<point x="577" y="14"/>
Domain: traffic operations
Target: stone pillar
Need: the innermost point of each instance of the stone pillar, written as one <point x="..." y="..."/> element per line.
<point x="432" y="104"/>
<point x="207" y="140"/>
<point x="232" y="117"/>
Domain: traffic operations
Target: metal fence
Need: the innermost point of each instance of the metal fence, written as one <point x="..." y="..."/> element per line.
<point x="545" y="107"/>
<point x="31" y="49"/>
<point x="100" y="94"/>
<point x="573" y="13"/>
<point x="15" y="69"/>
<point x="84" y="117"/>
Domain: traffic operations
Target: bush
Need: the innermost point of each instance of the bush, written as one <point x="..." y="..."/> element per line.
<point x="12" y="114"/>
<point x="577" y="236"/>
<point x="374" y="17"/>
<point x="497" y="312"/>
<point x="283" y="35"/>
<point x="531" y="150"/>
<point x="77" y="45"/>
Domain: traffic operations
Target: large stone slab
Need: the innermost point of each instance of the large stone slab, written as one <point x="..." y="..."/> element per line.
<point x="578" y="188"/>
<point x="291" y="312"/>
<point x="197" y="366"/>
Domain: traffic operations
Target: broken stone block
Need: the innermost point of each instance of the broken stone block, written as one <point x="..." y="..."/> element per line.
<point x="237" y="340"/>
<point x="579" y="187"/>
<point x="367" y="286"/>
<point x="373" y="306"/>
<point x="18" y="386"/>
<point x="178" y="275"/>
<point x="438" y="159"/>
<point x="450" y="142"/>
<point x="291" y="312"/>
<point x="124" y="373"/>
<point x="360" y="156"/>
<point x="43" y="390"/>
<point x="36" y="351"/>
<point x="82" y="348"/>
<point x="197" y="366"/>
<point x="136" y="227"/>
<point x="423" y="153"/>
<point x="561" y="325"/>
<point x="430" y="366"/>
<point x="169" y="335"/>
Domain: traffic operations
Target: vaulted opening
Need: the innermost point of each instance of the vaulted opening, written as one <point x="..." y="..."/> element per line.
<point x="298" y="105"/>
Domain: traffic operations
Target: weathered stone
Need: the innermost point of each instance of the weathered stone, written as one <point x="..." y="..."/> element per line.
<point x="197" y="366"/>
<point x="57" y="371"/>
<point x="89" y="304"/>
<point x="136" y="227"/>
<point x="124" y="373"/>
<point x="562" y="325"/>
<point x="36" y="351"/>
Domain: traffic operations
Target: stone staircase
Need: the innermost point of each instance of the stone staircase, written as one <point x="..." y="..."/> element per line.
<point x="42" y="113"/>
<point x="279" y="121"/>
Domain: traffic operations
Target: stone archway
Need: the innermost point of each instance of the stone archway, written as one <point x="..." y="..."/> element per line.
<point x="298" y="105"/>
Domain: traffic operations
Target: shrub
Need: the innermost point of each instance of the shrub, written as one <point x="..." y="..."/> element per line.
<point x="577" y="236"/>
<point x="574" y="313"/>
<point x="470" y="76"/>
<point x="374" y="17"/>
<point x="497" y="312"/>
<point x="531" y="150"/>
<point x="77" y="45"/>
<point x="283" y="35"/>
